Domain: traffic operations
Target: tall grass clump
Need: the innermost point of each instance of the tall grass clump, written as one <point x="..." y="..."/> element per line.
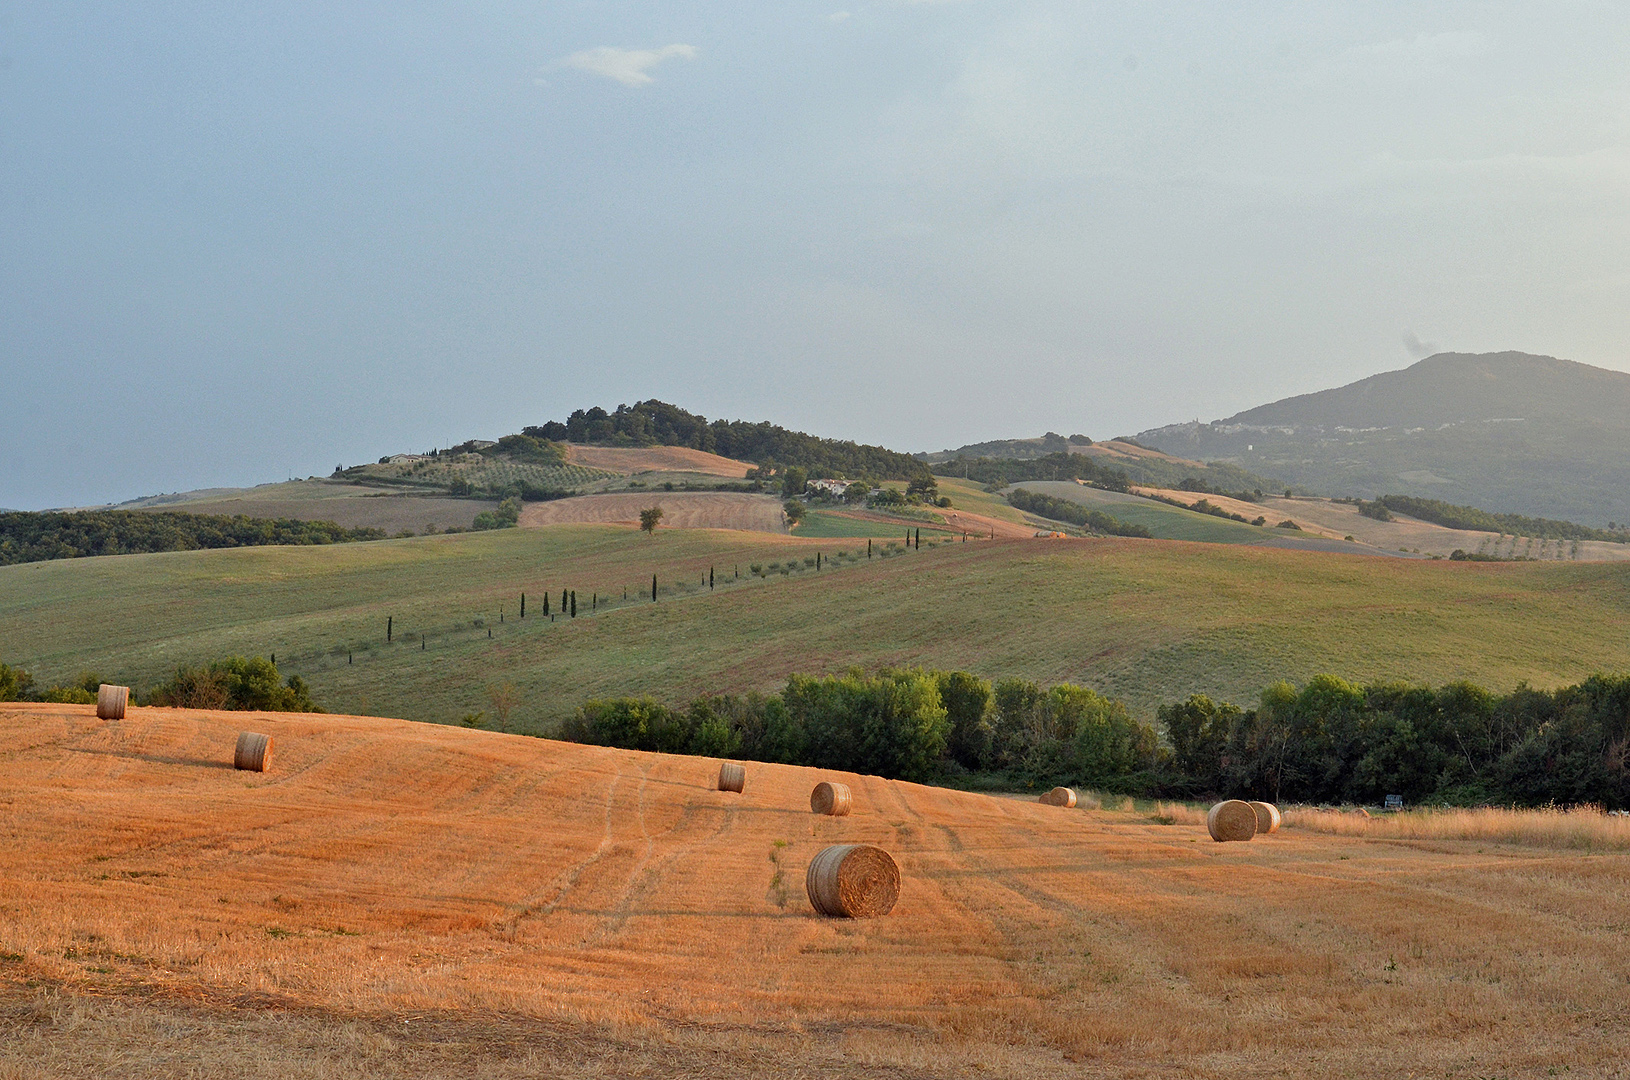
<point x="1584" y="828"/>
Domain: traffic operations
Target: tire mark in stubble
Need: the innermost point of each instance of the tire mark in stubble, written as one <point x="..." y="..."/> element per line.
<point x="643" y="879"/>
<point x="563" y="882"/>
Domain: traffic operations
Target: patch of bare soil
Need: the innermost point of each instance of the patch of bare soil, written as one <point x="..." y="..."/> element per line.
<point x="680" y="510"/>
<point x="510" y="891"/>
<point x="655" y="459"/>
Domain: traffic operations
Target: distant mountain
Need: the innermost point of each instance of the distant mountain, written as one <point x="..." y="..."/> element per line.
<point x="1507" y="432"/>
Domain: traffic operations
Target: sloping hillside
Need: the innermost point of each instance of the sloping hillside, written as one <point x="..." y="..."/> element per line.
<point x="1507" y="432"/>
<point x="387" y="869"/>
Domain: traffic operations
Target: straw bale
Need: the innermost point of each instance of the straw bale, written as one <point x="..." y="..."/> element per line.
<point x="1059" y="796"/>
<point x="1267" y="818"/>
<point x="833" y="800"/>
<point x="732" y="776"/>
<point x="111" y="701"/>
<point x="853" y="881"/>
<point x="254" y="752"/>
<point x="1231" y="820"/>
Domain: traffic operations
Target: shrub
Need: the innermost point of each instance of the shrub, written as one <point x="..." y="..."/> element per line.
<point x="234" y="682"/>
<point x="15" y="683"/>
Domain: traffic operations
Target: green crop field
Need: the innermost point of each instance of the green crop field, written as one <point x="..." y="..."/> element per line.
<point x="1147" y="621"/>
<point x="826" y="524"/>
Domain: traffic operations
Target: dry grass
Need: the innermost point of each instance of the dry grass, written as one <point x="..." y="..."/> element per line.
<point x="507" y="887"/>
<point x="680" y="510"/>
<point x="630" y="461"/>
<point x="1580" y="828"/>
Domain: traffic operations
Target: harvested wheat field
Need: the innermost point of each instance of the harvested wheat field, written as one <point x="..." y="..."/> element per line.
<point x="399" y="899"/>
<point x="680" y="510"/>
<point x="632" y="460"/>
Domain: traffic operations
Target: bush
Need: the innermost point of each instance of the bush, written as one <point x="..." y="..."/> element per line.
<point x="15" y="683"/>
<point x="234" y="682"/>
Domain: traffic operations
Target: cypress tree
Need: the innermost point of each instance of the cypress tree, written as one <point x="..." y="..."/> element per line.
<point x="563" y="601"/>
<point x="546" y="603"/>
<point x="388" y="629"/>
<point x="868" y="548"/>
<point x="710" y="577"/>
<point x="574" y="603"/>
<point x="523" y="605"/>
<point x="350" y="659"/>
<point x="653" y="588"/>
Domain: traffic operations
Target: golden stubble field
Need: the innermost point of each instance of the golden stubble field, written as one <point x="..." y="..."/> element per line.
<point x="534" y="900"/>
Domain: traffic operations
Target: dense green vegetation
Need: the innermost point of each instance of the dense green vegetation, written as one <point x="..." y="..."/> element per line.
<point x="34" y="537"/>
<point x="1063" y="510"/>
<point x="1469" y="517"/>
<point x="906" y="724"/>
<point x="1335" y="741"/>
<point x="1328" y="741"/>
<point x="233" y="682"/>
<point x="657" y="423"/>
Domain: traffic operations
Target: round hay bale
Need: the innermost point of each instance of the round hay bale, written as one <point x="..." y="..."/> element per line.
<point x="732" y="776"/>
<point x="833" y="800"/>
<point x="1267" y="818"/>
<point x="111" y="701"/>
<point x="853" y="881"/>
<point x="1231" y="820"/>
<point x="254" y="752"/>
<point x="1059" y="796"/>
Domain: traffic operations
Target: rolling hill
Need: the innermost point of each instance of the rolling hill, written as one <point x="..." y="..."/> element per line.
<point x="403" y="900"/>
<point x="1506" y="432"/>
<point x="1146" y="621"/>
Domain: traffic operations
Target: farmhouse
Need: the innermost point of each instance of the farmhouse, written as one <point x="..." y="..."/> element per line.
<point x="831" y="489"/>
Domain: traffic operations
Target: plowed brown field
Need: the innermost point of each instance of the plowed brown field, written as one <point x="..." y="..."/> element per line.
<point x="384" y="869"/>
<point x="680" y="510"/>
<point x="655" y="459"/>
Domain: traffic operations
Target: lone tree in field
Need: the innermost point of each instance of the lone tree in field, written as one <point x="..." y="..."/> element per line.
<point x="650" y="518"/>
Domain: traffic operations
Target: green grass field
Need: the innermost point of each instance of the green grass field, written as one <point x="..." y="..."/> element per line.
<point x="1147" y="621"/>
<point x="1165" y="521"/>
<point x="819" y="524"/>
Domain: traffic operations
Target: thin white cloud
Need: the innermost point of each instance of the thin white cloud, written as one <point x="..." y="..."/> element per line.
<point x="838" y="16"/>
<point x="627" y="66"/>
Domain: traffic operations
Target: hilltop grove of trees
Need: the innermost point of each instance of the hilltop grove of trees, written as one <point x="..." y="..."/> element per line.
<point x="657" y="423"/>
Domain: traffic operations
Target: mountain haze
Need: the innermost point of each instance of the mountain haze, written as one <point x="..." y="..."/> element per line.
<point x="1508" y="432"/>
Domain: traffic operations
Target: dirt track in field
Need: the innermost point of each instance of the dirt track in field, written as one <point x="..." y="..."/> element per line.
<point x="383" y="868"/>
<point x="655" y="459"/>
<point x="680" y="510"/>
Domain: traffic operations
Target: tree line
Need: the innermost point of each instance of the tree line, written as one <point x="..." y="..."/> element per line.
<point x="36" y="537"/>
<point x="657" y="423"/>
<point x="1219" y="476"/>
<point x="1064" y="510"/>
<point x="1469" y="517"/>
<point x="1329" y="741"/>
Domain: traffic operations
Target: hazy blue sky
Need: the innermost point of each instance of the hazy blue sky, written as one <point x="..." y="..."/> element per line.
<point x="240" y="246"/>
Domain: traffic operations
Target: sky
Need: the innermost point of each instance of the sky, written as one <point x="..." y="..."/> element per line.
<point x="238" y="246"/>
